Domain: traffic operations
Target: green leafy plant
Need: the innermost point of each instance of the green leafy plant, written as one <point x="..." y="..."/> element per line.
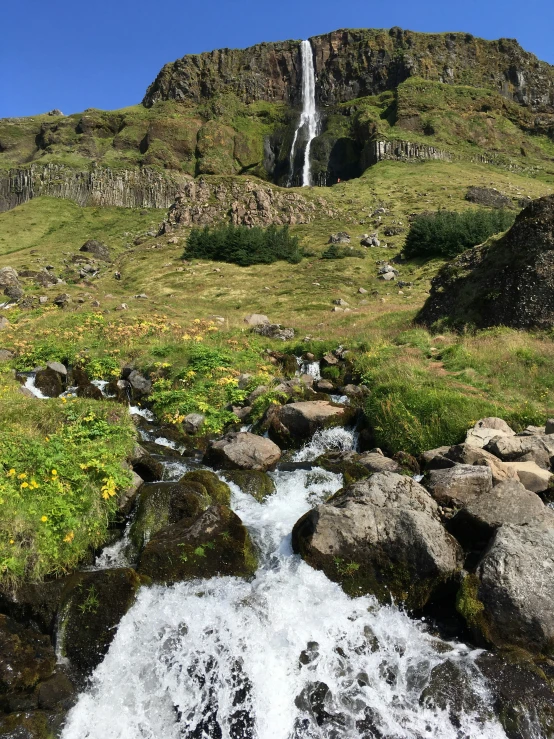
<point x="243" y="246"/>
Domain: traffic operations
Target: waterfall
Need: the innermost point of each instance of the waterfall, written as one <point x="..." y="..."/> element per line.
<point x="287" y="655"/>
<point x="309" y="118"/>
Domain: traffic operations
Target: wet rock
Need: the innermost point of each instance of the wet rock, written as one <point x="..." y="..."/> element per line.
<point x="89" y="391"/>
<point x="49" y="383"/>
<point x="296" y="422"/>
<point x="242" y="450"/>
<point x="56" y="692"/>
<point x="145" y="465"/>
<point x="26" y="725"/>
<point x="34" y="604"/>
<point x="381" y="536"/>
<point x="456" y="486"/>
<point x="218" y="491"/>
<point x="127" y="497"/>
<point x="26" y="657"/>
<point x="257" y="319"/>
<point x="140" y="385"/>
<point x="549" y="428"/>
<point x="97" y="249"/>
<point x="516" y="588"/>
<point x="256" y="483"/>
<point x="507" y="503"/>
<point x="215" y="544"/>
<point x="91" y="611"/>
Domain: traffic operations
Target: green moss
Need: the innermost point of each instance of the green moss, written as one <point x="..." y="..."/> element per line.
<point x="218" y="491"/>
<point x="254" y="482"/>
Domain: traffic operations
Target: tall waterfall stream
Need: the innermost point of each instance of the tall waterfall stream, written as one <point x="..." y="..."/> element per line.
<point x="285" y="656"/>
<point x="309" y="117"/>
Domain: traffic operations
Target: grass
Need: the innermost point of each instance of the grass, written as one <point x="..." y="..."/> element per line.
<point x="60" y="475"/>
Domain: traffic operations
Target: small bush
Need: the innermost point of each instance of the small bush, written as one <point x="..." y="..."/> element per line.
<point x="341" y="252"/>
<point x="446" y="233"/>
<point x="243" y="246"/>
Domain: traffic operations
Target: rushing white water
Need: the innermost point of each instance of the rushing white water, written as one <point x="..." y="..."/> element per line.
<point x="286" y="656"/>
<point x="309" y="117"/>
<point x="336" y="439"/>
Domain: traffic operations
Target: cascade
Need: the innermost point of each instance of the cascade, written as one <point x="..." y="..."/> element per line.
<point x="309" y="118"/>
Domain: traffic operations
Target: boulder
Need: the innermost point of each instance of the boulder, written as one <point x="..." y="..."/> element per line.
<point x="14" y="292"/>
<point x="4" y="323"/>
<point x="487" y="429"/>
<point x="274" y="331"/>
<point x="381" y="536"/>
<point x="509" y="502"/>
<point x="140" y="385"/>
<point x="538" y="449"/>
<point x="26" y="657"/>
<point x="56" y="692"/>
<point x="256" y="319"/>
<point x="49" y="383"/>
<point x="62" y="300"/>
<point x="324" y="386"/>
<point x="193" y="422"/>
<point x="92" y="608"/>
<point x="299" y="421"/>
<point x="6" y="355"/>
<point x="45" y="279"/>
<point x="488" y="196"/>
<point x="339" y="238"/>
<point x="35" y="604"/>
<point x="97" y="249"/>
<point x="533" y="477"/>
<point x="500" y="283"/>
<point x="215" y="544"/>
<point x="8" y="277"/>
<point x="377" y="462"/>
<point x="256" y="483"/>
<point x="456" y="486"/>
<point x="58" y="367"/>
<point x="468" y="454"/>
<point x="242" y="451"/>
<point x="516" y="587"/>
<point x="217" y="490"/>
<point x="89" y="391"/>
<point x="127" y="496"/>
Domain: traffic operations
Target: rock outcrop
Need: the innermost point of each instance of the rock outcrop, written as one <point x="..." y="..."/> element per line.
<point x="243" y="451"/>
<point x="507" y="282"/>
<point x="352" y="63"/>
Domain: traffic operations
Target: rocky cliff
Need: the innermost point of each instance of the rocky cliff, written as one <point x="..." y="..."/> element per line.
<point x="144" y="188"/>
<point x="354" y="63"/>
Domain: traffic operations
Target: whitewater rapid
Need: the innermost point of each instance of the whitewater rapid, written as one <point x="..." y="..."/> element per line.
<point x="285" y="656"/>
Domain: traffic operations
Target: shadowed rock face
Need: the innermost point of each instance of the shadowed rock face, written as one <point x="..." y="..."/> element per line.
<point x="353" y="63"/>
<point x="509" y="282"/>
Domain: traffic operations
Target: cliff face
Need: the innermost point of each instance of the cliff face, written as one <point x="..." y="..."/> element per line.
<point x="100" y="187"/>
<point x="355" y="63"/>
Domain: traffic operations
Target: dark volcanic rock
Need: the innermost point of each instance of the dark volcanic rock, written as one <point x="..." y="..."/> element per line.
<point x="96" y="248"/>
<point x="509" y="282"/>
<point x="488" y="196"/>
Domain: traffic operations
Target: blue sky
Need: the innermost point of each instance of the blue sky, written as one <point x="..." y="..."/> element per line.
<point x="104" y="54"/>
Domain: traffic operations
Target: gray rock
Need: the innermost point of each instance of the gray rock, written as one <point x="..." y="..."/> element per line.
<point x="62" y="300"/>
<point x="58" y="367"/>
<point x="355" y="391"/>
<point x="388" y="276"/>
<point x="377" y="462"/>
<point x="243" y="451"/>
<point x="537" y="449"/>
<point x="509" y="502"/>
<point x="8" y="276"/>
<point x="532" y="476"/>
<point x="256" y="393"/>
<point x="517" y="586"/>
<point x="381" y="536"/>
<point x="274" y="331"/>
<point x="97" y="248"/>
<point x="139" y="383"/>
<point x="324" y="386"/>
<point x="4" y="323"/>
<point x="243" y="381"/>
<point x="14" y="292"/>
<point x="456" y="486"/>
<point x="487" y="429"/>
<point x="340" y="302"/>
<point x="549" y="428"/>
<point x="6" y="355"/>
<point x="339" y="238"/>
<point x="193" y="422"/>
<point x="362" y="291"/>
<point x="468" y="454"/>
<point x="301" y="420"/>
<point x="256" y="319"/>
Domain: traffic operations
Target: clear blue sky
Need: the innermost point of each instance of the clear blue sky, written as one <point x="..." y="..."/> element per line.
<point x="104" y="53"/>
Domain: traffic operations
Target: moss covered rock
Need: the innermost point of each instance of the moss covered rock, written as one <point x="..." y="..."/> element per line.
<point x="93" y="606"/>
<point x="27" y="725"/>
<point x="26" y="657"/>
<point x="256" y="483"/>
<point x="216" y="543"/>
<point x="218" y="491"/>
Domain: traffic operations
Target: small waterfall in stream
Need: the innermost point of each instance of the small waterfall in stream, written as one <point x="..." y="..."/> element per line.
<point x="287" y="655"/>
<point x="309" y="117"/>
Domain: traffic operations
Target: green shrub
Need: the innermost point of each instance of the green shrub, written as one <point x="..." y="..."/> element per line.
<point x="341" y="252"/>
<point x="243" y="246"/>
<point x="446" y="233"/>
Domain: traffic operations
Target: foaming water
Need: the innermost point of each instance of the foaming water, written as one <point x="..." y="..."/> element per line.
<point x="285" y="656"/>
<point x="309" y="117"/>
<point x="335" y="439"/>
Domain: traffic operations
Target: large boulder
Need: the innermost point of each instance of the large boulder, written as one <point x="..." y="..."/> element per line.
<point x="377" y="462"/>
<point x="513" y="599"/>
<point x="26" y="657"/>
<point x="535" y="478"/>
<point x="539" y="449"/>
<point x="456" y="486"/>
<point x="295" y="422"/>
<point x="215" y="544"/>
<point x="382" y="536"/>
<point x="97" y="249"/>
<point x="49" y="382"/>
<point x="93" y="606"/>
<point x="8" y="277"/>
<point x="473" y="455"/>
<point x="256" y="483"/>
<point x="486" y="429"/>
<point x="507" y="503"/>
<point x="507" y="282"/>
<point x="243" y="451"/>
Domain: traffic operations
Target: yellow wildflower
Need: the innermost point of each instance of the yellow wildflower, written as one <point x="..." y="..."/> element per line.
<point x="54" y="473"/>
<point x="44" y="519"/>
<point x="24" y="485"/>
<point x="69" y="537"/>
<point x="34" y="485"/>
<point x="11" y="473"/>
<point x="185" y="337"/>
<point x="22" y="476"/>
<point x="199" y="338"/>
<point x="12" y="541"/>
